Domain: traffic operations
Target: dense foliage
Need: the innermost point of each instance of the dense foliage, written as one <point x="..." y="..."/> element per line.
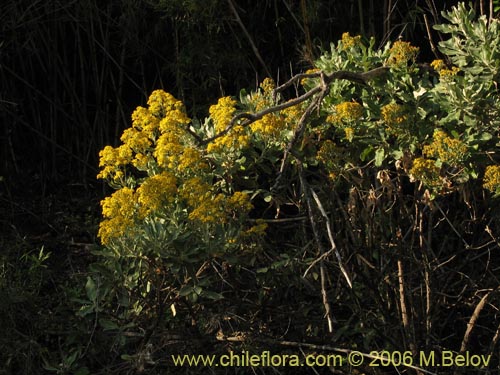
<point x="332" y="208"/>
<point x="353" y="206"/>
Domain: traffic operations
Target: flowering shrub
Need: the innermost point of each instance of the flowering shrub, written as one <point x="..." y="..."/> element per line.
<point x="194" y="200"/>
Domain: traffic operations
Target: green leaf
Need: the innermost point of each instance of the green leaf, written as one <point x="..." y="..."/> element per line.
<point x="90" y="289"/>
<point x="379" y="157"/>
<point x="212" y="295"/>
<point x="366" y="153"/>
<point x="108" y="325"/>
<point x="185" y="290"/>
<point x="85" y="310"/>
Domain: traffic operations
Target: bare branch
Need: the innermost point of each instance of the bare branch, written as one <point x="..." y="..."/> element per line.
<point x="330" y="237"/>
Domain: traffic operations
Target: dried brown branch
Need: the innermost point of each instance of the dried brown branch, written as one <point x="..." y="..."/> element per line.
<point x="330" y="237"/>
<point x="307" y="195"/>
<point x="473" y="319"/>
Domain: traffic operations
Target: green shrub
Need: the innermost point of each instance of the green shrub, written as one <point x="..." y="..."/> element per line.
<point x="229" y="222"/>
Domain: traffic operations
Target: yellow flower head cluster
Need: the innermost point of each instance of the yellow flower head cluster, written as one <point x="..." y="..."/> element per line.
<point x="119" y="212"/>
<point x="209" y="207"/>
<point x="256" y="230"/>
<point x="177" y="171"/>
<point x="445" y="73"/>
<point x="157" y="136"/>
<point x="125" y="207"/>
<point x="449" y="150"/>
<point x="349" y="41"/>
<point x="425" y="170"/>
<point x="144" y="121"/>
<point x="349" y="133"/>
<point x="328" y="156"/>
<point x="305" y="81"/>
<point x="292" y="115"/>
<point x="113" y="161"/>
<point x="271" y="125"/>
<point x="162" y="104"/>
<point x="155" y="193"/>
<point x="491" y="180"/>
<point x="268" y="85"/>
<point x="346" y="112"/>
<point x="401" y="53"/>
<point x="221" y="114"/>
<point x="238" y="202"/>
<point x="395" y="117"/>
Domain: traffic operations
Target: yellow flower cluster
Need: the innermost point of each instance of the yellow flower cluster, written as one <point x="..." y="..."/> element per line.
<point x="449" y="150"/>
<point x="349" y="133"/>
<point x="346" y="112"/>
<point x="157" y="135"/>
<point x="221" y="114"/>
<point x="445" y="73"/>
<point x="305" y="81"/>
<point x="256" y="230"/>
<point x="425" y="170"/>
<point x="491" y="180"/>
<point x="401" y="53"/>
<point x="328" y="156"/>
<point x="349" y="41"/>
<point x="164" y="105"/>
<point x="113" y="162"/>
<point x="272" y="124"/>
<point x="395" y="117"/>
<point x="158" y="143"/>
<point x="119" y="212"/>
<point x="208" y="207"/>
<point x="155" y="193"/>
<point x="125" y="206"/>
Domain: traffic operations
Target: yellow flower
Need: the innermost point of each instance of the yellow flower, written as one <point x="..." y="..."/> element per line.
<point x="425" y="170"/>
<point x="346" y="112"/>
<point x="136" y="140"/>
<point x="449" y="150"/>
<point x="221" y="114"/>
<point x="142" y="161"/>
<point x="271" y="126"/>
<point x="112" y="160"/>
<point x="349" y="41"/>
<point x="240" y="202"/>
<point x="491" y="180"/>
<point x="349" y="133"/>
<point x="445" y="73"/>
<point x="156" y="192"/>
<point x="191" y="159"/>
<point x="259" y="229"/>
<point x="268" y="86"/>
<point x="395" y="117"/>
<point x="209" y="210"/>
<point x="305" y="81"/>
<point x="401" y="53"/>
<point x="119" y="211"/>
<point x="328" y="155"/>
<point x="438" y="65"/>
<point x="167" y="151"/>
<point x="161" y="103"/>
<point x="143" y="120"/>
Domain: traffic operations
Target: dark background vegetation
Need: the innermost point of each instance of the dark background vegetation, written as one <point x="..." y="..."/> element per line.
<point x="71" y="73"/>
